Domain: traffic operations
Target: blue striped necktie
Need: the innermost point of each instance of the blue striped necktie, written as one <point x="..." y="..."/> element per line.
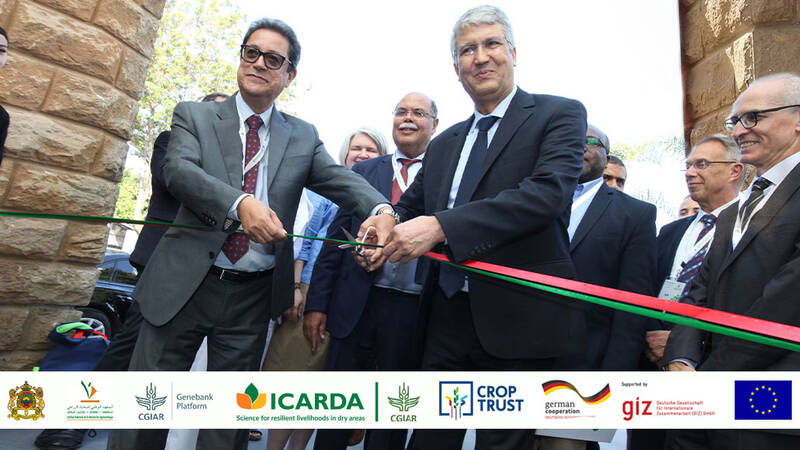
<point x="691" y="267"/>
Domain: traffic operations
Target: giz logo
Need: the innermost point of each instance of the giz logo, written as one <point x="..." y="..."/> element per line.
<point x="636" y="407"/>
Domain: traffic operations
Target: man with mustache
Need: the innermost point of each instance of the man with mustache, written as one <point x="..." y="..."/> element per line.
<point x="371" y="316"/>
<point x="239" y="161"/>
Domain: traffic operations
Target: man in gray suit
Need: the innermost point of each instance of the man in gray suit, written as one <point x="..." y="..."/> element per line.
<point x="240" y="161"/>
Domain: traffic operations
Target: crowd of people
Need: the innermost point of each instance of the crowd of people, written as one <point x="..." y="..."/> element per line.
<point x="524" y="182"/>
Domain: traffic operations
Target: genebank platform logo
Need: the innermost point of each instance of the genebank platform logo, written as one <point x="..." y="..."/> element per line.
<point x="150" y="402"/>
<point x="763" y="400"/>
<point x="455" y="399"/>
<point x="564" y="406"/>
<point x="403" y="402"/>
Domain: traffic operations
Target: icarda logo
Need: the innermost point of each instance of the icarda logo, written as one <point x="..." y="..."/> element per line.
<point x="251" y="399"/>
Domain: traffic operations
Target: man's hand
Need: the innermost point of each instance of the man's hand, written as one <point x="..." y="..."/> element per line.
<point x="295" y="313"/>
<point x="259" y="222"/>
<point x="314" y="327"/>
<point x="677" y="366"/>
<point x="656" y="342"/>
<point x="413" y="239"/>
<point x="382" y="226"/>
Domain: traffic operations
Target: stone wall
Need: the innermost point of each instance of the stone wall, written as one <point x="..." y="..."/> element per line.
<point x="726" y="44"/>
<point x="75" y="72"/>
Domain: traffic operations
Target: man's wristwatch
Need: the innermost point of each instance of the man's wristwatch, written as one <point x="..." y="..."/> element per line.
<point x="391" y="212"/>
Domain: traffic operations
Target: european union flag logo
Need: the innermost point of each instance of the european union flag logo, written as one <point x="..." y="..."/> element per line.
<point x="763" y="400"/>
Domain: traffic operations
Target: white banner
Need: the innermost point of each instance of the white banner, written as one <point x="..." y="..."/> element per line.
<point x="542" y="400"/>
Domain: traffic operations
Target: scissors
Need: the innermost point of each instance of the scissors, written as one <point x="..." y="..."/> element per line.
<point x="359" y="249"/>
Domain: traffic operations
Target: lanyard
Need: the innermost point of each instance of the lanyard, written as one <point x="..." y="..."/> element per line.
<point x="398" y="176"/>
<point x="258" y="156"/>
<point x="706" y="240"/>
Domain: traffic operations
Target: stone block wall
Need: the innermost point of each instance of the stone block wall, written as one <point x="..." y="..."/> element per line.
<point x="75" y="72"/>
<point x="725" y="45"/>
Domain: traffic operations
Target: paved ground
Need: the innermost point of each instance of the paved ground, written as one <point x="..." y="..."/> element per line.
<point x="23" y="440"/>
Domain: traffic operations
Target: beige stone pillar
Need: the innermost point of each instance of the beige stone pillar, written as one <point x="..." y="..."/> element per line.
<point x="75" y="72"/>
<point x="726" y="44"/>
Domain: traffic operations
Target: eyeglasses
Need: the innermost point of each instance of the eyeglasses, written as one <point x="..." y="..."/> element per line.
<point x="750" y="118"/>
<point x="491" y="44"/>
<point x="702" y="164"/>
<point x="272" y="60"/>
<point x="418" y="113"/>
<point x="594" y="141"/>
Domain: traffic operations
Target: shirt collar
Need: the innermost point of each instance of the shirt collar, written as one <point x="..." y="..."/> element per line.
<point x="499" y="110"/>
<point x="399" y="154"/>
<point x="781" y="170"/>
<point x="246" y="111"/>
<point x="587" y="187"/>
<point x="715" y="212"/>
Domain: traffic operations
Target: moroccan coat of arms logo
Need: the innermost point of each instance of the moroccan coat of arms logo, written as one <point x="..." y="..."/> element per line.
<point x="26" y="402"/>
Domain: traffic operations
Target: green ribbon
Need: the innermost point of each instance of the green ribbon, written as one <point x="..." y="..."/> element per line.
<point x="634" y="309"/>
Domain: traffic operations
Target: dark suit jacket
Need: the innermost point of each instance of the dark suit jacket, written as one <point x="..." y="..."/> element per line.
<point x="4" y="122"/>
<point x="759" y="278"/>
<point x="669" y="238"/>
<point x="614" y="246"/>
<point x="339" y="286"/>
<point x="517" y="217"/>
<point x="203" y="171"/>
<point x="162" y="207"/>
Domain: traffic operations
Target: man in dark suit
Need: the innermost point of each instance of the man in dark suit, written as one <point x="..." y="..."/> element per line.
<point x="713" y="178"/>
<point x="236" y="161"/>
<point x="613" y="244"/>
<point x="371" y="316"/>
<point x="496" y="187"/>
<point x="753" y="266"/>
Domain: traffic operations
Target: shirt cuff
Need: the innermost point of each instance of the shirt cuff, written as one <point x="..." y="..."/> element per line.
<point x="232" y="213"/>
<point x="688" y="362"/>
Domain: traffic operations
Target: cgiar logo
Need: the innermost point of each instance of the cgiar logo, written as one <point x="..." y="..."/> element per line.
<point x="26" y="402"/>
<point x="150" y="402"/>
<point x="403" y="402"/>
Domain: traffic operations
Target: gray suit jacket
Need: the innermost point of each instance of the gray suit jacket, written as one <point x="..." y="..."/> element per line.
<point x="204" y="172"/>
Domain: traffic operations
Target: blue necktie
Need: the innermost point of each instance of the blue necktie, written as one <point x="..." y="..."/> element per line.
<point x="451" y="280"/>
<point x="692" y="266"/>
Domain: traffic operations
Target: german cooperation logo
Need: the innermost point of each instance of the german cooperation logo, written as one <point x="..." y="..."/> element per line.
<point x="569" y="409"/>
<point x="26" y="402"/>
<point x="403" y="402"/>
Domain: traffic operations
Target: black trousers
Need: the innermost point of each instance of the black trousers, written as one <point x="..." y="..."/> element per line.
<point x="117" y="356"/>
<point x="451" y="343"/>
<point x="381" y="340"/>
<point x="234" y="317"/>
<point x="730" y="440"/>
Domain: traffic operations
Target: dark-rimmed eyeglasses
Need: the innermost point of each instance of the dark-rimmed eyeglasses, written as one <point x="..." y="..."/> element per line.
<point x="702" y="164"/>
<point x="595" y="142"/>
<point x="272" y="60"/>
<point x="418" y="113"/>
<point x="750" y="118"/>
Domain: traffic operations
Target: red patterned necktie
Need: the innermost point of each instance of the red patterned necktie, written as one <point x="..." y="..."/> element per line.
<point x="396" y="192"/>
<point x="237" y="243"/>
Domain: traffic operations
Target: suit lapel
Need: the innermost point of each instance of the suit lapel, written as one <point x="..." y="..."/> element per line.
<point x="597" y="207"/>
<point x="279" y="132"/>
<point x="453" y="146"/>
<point x="230" y="144"/>
<point x="765" y="215"/>
<point x="520" y="108"/>
<point x="385" y="175"/>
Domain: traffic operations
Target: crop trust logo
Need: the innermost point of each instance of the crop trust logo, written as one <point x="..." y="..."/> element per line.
<point x="455" y="399"/>
<point x="563" y="409"/>
<point x="26" y="402"/>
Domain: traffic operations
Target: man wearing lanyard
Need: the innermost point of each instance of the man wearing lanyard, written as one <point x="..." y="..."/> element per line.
<point x="237" y="161"/>
<point x="713" y="177"/>
<point x="372" y="316"/>
<point x="496" y="188"/>
<point x="753" y="265"/>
